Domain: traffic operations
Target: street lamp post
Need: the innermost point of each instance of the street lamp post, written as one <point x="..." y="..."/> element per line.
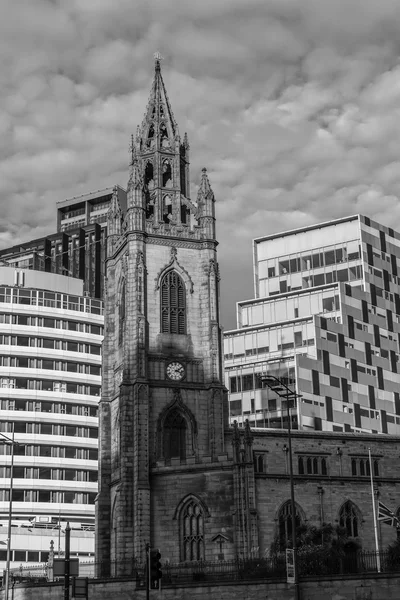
<point x="283" y="391"/>
<point x="12" y="444"/>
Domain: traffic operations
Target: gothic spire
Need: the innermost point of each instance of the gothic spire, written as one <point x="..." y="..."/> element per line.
<point x="135" y="177"/>
<point x="159" y="128"/>
<point x="205" y="190"/>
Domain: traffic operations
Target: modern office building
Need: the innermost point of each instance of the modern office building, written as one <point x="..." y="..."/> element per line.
<point x="325" y="320"/>
<point x="88" y="209"/>
<point x="78" y="247"/>
<point x="50" y="376"/>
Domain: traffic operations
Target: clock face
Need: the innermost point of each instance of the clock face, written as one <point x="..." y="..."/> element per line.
<point x="175" y="371"/>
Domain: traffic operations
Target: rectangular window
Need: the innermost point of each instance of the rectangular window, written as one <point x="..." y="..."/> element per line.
<point x="315" y="382"/>
<point x="334" y="381"/>
<point x="298" y="339"/>
<point x="326" y="363"/>
<point x="47" y="322"/>
<point x="247" y="382"/>
<point x="33" y="556"/>
<point x="235" y="408"/>
<point x="48" y="343"/>
<point x="381" y="384"/>
<point x="330" y="257"/>
<point x="72" y="388"/>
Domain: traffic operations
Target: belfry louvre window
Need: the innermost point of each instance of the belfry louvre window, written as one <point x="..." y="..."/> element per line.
<point x="173" y="304"/>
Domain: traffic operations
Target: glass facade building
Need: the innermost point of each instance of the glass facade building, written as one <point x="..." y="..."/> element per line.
<point x="325" y="320"/>
<point x="50" y="377"/>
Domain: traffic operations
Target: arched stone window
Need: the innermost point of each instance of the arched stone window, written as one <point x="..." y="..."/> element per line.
<point x="121" y="324"/>
<point x="185" y="214"/>
<point x="349" y="518"/>
<point x="174" y="436"/>
<point x="163" y="136"/>
<point x="166" y="174"/>
<point x="150" y="137"/>
<point x="114" y="537"/>
<point x="173" y="304"/>
<point x="149" y="175"/>
<point x="167" y="209"/>
<point x="259" y="462"/>
<point x="192" y="531"/>
<point x="285" y="524"/>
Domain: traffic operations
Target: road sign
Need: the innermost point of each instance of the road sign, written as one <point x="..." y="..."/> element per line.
<point x="59" y="567"/>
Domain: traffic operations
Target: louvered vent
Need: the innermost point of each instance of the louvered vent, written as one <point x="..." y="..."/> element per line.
<point x="173" y="304"/>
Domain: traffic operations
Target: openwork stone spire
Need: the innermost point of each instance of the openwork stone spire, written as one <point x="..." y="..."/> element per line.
<point x="163" y="162"/>
<point x="159" y="127"/>
<point x="205" y="190"/>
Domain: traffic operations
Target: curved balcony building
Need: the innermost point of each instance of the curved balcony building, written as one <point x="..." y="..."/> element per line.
<point x="50" y="376"/>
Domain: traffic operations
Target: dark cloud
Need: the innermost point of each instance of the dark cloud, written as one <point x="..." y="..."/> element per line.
<point x="292" y="106"/>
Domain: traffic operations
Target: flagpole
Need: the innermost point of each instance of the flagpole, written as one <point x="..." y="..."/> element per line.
<point x="378" y="558"/>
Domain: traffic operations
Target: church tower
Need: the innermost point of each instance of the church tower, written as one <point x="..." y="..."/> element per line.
<point x="165" y="477"/>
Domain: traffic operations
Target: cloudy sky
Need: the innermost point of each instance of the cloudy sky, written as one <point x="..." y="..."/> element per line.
<point x="292" y="105"/>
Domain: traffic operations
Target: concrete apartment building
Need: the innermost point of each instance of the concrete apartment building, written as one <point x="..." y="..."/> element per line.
<point x="325" y="320"/>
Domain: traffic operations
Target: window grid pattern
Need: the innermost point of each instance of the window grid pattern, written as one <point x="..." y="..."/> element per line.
<point x="193" y="532"/>
<point x="312" y="465"/>
<point x="173" y="304"/>
<point x="361" y="467"/>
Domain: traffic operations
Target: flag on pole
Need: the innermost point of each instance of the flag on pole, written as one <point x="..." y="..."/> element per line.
<point x="387" y="516"/>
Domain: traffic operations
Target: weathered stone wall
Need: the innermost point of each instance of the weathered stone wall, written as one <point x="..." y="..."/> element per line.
<point x="330" y="491"/>
<point x="210" y="482"/>
<point x="344" y="588"/>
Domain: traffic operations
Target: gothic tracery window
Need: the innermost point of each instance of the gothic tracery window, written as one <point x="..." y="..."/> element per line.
<point x="173" y="304"/>
<point x="184" y="214"/>
<point x="285" y="524"/>
<point x="150" y="137"/>
<point x="163" y="136"/>
<point x="166" y="174"/>
<point x="167" y="209"/>
<point x="174" y="436"/>
<point x="149" y="175"/>
<point x="348" y="518"/>
<point x="192" y="531"/>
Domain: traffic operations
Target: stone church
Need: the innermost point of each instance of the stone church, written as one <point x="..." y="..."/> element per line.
<point x="172" y="473"/>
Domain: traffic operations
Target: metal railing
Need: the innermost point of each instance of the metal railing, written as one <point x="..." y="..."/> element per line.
<point x="310" y="564"/>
